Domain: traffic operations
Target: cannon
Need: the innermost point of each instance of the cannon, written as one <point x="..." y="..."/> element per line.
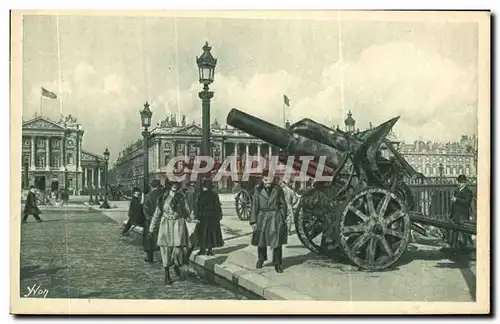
<point x="365" y="213"/>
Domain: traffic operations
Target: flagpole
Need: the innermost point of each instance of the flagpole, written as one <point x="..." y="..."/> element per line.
<point x="41" y="99"/>
<point x="284" y="121"/>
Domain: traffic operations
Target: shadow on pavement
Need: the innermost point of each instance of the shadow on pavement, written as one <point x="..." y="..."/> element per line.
<point x="229" y="249"/>
<point x="33" y="271"/>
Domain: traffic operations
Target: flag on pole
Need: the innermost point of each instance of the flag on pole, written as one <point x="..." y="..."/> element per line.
<point x="48" y="94"/>
<point x="287" y="101"/>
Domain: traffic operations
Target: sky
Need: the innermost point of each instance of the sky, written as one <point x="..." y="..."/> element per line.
<point x="104" y="69"/>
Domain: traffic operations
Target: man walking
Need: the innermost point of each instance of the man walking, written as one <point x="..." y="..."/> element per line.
<point x="268" y="220"/>
<point x="31" y="207"/>
<point x="149" y="207"/>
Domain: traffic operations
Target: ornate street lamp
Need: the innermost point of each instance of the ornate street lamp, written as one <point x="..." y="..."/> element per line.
<point x="146" y="115"/>
<point x="106" y="160"/>
<point x="206" y="70"/>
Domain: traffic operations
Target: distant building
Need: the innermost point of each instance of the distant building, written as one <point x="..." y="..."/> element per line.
<point x="53" y="158"/>
<point x="447" y="160"/>
<point x="433" y="159"/>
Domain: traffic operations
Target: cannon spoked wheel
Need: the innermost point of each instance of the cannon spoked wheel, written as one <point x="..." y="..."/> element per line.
<point x="374" y="228"/>
<point x="243" y="203"/>
<point x="310" y="228"/>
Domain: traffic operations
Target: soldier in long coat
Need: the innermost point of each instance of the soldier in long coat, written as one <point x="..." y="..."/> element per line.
<point x="173" y="237"/>
<point x="460" y="211"/>
<point x="149" y="207"/>
<point x="31" y="207"/>
<point x="268" y="220"/>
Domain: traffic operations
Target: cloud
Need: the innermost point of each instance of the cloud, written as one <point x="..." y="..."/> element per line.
<point x="435" y="97"/>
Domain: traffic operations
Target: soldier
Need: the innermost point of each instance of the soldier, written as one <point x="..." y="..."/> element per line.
<point x="291" y="200"/>
<point x="462" y="200"/>
<point x="31" y="207"/>
<point x="173" y="239"/>
<point x="268" y="220"/>
<point x="149" y="207"/>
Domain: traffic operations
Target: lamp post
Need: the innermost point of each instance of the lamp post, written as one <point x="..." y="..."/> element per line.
<point x="206" y="69"/>
<point x="97" y="192"/>
<point x="106" y="159"/>
<point x="146" y="115"/>
<point x="26" y="177"/>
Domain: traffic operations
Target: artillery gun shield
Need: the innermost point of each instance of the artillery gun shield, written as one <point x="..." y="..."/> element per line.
<point x="374" y="228"/>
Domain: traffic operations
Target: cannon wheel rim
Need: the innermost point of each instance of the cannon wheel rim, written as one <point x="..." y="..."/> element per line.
<point x="376" y="232"/>
<point x="243" y="204"/>
<point x="300" y="219"/>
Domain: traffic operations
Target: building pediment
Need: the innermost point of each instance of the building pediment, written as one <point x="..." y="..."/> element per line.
<point x="41" y="123"/>
<point x="90" y="157"/>
<point x="189" y="130"/>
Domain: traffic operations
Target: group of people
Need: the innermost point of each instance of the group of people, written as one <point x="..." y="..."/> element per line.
<point x="164" y="215"/>
<point x="165" y="212"/>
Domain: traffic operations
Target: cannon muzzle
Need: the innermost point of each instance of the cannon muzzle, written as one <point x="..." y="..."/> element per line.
<point x="259" y="128"/>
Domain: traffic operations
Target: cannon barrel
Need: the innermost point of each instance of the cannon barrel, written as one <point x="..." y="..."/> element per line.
<point x="294" y="144"/>
<point x="259" y="128"/>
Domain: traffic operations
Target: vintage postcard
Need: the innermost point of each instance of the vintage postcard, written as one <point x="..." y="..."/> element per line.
<point x="252" y="162"/>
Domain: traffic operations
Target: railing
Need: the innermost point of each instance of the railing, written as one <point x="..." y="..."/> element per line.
<point x="434" y="200"/>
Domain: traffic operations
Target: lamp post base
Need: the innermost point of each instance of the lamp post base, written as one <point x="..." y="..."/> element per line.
<point x="105" y="205"/>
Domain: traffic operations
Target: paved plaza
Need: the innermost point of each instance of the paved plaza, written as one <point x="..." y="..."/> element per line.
<point x="82" y="254"/>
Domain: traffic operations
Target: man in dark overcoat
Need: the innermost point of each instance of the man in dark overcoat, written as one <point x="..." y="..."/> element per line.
<point x="268" y="221"/>
<point x="460" y="211"/>
<point x="149" y="207"/>
<point x="135" y="213"/>
<point x="31" y="207"/>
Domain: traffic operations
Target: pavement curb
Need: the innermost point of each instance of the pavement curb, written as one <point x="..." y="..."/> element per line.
<point x="240" y="277"/>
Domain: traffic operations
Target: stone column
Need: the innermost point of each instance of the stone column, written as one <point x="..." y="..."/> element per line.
<point x="33" y="151"/>
<point x="61" y="151"/>
<point x="99" y="177"/>
<point x="92" y="178"/>
<point x="236" y="149"/>
<point x="82" y="178"/>
<point x="270" y="151"/>
<point x="186" y="145"/>
<point x="47" y="153"/>
<point x="158" y="155"/>
<point x="258" y="149"/>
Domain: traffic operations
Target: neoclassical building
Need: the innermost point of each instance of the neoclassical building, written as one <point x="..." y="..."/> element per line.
<point x="53" y="158"/>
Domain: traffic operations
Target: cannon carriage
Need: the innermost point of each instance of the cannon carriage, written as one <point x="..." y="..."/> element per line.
<point x="363" y="210"/>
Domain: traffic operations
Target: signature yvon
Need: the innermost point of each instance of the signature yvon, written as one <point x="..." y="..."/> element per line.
<point x="36" y="291"/>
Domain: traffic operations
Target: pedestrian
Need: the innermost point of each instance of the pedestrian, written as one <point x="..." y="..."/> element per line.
<point x="149" y="207"/>
<point x="209" y="214"/>
<point x="291" y="200"/>
<point x="173" y="237"/>
<point x="135" y="213"/>
<point x="31" y="207"/>
<point x="460" y="209"/>
<point x="268" y="221"/>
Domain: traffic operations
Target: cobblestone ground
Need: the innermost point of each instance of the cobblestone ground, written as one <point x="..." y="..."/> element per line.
<point x="83" y="255"/>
